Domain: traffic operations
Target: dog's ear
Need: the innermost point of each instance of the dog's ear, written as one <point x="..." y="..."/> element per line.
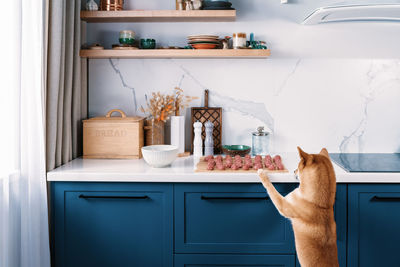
<point x="303" y="155"/>
<point x="307" y="158"/>
<point x="324" y="152"/>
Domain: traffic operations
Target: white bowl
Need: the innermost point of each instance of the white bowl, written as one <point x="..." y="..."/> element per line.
<point x="159" y="156"/>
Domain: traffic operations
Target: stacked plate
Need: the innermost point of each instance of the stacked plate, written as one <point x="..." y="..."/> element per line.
<point x="204" y="41"/>
<point x="217" y="5"/>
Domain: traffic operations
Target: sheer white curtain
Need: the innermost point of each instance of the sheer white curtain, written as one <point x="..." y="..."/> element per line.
<point x="24" y="236"/>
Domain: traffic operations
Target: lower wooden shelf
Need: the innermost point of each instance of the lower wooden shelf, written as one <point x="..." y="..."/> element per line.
<point x="176" y="53"/>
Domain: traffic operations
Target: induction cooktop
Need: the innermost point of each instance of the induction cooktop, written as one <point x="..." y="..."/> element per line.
<point x="367" y="162"/>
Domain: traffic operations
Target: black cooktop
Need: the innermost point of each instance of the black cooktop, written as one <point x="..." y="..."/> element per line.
<point x="367" y="162"/>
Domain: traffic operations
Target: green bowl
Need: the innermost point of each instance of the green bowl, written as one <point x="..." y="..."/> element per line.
<point x="234" y="150"/>
<point x="128" y="41"/>
<point x="147" y="43"/>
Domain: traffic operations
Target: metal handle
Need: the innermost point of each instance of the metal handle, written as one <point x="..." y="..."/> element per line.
<point x="234" y="198"/>
<point x="114" y="197"/>
<point x="385" y="199"/>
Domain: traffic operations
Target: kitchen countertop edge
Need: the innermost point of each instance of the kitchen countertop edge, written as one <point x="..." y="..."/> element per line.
<point x="183" y="171"/>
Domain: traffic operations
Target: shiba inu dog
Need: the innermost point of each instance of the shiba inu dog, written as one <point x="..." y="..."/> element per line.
<point x="310" y="209"/>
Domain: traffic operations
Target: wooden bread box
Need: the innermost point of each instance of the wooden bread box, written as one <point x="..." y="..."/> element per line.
<point x="113" y="137"/>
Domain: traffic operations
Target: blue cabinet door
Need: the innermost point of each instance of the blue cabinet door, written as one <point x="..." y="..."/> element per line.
<point x="341" y="223"/>
<point x="230" y="218"/>
<point x="374" y="225"/>
<point x="112" y="224"/>
<point x="207" y="260"/>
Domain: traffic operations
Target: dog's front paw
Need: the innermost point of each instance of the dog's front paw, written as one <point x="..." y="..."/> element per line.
<point x="263" y="176"/>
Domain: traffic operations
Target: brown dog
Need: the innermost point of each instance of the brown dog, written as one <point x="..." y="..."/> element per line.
<point x="310" y="209"/>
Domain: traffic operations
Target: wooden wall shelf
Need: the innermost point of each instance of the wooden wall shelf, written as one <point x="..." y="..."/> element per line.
<point x="159" y="16"/>
<point x="176" y="53"/>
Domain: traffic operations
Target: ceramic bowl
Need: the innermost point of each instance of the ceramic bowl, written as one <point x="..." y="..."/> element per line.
<point x="234" y="150"/>
<point x="159" y="156"/>
<point x="204" y="46"/>
<point x="216" y="4"/>
<point x="147" y="43"/>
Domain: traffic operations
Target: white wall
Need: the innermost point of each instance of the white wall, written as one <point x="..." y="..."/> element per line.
<point x="333" y="85"/>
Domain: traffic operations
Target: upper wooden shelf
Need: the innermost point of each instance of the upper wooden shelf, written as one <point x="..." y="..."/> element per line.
<point x="176" y="53"/>
<point x="159" y="16"/>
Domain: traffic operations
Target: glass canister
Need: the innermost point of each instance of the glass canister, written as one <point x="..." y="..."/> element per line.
<point x="239" y="40"/>
<point x="260" y="142"/>
<point x="154" y="132"/>
<point x="126" y="37"/>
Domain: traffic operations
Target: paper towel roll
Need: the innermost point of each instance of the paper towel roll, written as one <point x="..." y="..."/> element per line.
<point x="178" y="132"/>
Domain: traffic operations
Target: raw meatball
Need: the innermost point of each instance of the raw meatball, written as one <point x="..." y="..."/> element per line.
<point x="234" y="167"/>
<point x="277" y="159"/>
<point x="208" y="158"/>
<point x="257" y="166"/>
<point x="267" y="160"/>
<point x="258" y="158"/>
<point x="280" y="166"/>
<point x="248" y="162"/>
<point x="221" y="167"/>
<point x="271" y="167"/>
<point x="246" y="167"/>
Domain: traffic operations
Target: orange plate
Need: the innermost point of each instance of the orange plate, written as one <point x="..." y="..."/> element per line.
<point x="204" y="46"/>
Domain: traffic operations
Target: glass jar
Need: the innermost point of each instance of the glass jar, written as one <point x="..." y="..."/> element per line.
<point x="239" y="40"/>
<point x="260" y="142"/>
<point x="126" y="37"/>
<point x="154" y="132"/>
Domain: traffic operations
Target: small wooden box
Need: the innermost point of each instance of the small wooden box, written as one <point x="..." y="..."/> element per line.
<point x="113" y="137"/>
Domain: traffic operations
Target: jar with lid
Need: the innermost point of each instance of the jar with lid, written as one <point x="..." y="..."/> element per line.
<point x="126" y="37"/>
<point x="260" y="142"/>
<point x="239" y="40"/>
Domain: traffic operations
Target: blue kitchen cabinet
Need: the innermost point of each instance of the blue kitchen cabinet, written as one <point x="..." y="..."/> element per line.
<point x="212" y="260"/>
<point x="374" y="225"/>
<point x="230" y="218"/>
<point x="112" y="224"/>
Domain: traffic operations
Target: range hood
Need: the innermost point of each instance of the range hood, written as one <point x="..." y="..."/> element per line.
<point x="376" y="12"/>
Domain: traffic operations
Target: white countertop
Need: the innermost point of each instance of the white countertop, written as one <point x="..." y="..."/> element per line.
<point x="183" y="170"/>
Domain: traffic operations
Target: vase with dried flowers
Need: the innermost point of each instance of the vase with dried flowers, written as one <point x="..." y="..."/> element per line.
<point x="159" y="107"/>
<point x="178" y="120"/>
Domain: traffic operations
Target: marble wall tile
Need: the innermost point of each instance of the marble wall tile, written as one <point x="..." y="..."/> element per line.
<point x="334" y="85"/>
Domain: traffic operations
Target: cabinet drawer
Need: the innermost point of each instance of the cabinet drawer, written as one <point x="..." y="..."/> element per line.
<point x="230" y="218"/>
<point x="113" y="224"/>
<point x="190" y="260"/>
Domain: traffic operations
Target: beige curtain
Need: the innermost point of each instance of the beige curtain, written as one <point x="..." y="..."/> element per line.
<point x="66" y="91"/>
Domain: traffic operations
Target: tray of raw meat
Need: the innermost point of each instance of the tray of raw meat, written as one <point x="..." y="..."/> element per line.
<point x="241" y="164"/>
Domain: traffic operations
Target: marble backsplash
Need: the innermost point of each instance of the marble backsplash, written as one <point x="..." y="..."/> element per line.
<point x="332" y="85"/>
<point x="345" y="105"/>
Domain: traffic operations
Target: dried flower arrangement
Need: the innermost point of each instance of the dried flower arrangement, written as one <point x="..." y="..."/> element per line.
<point x="182" y="101"/>
<point x="162" y="106"/>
